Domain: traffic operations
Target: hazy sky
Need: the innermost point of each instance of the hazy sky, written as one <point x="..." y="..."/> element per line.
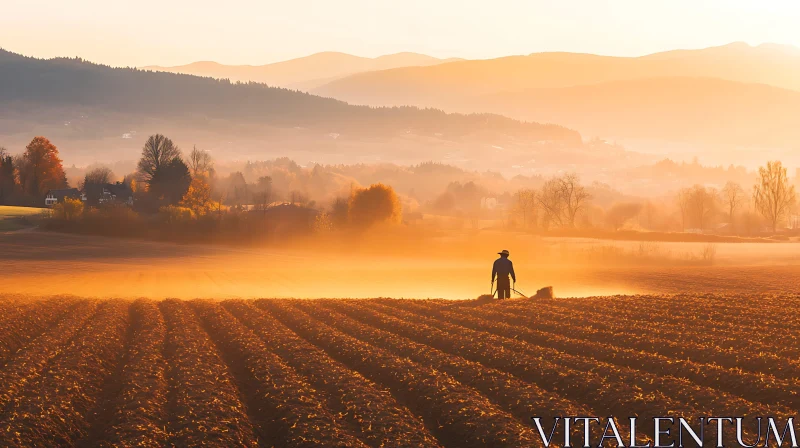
<point x="171" y="32"/>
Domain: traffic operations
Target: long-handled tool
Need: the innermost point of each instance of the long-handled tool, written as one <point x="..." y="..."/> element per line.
<point x="494" y="291"/>
<point x="520" y="293"/>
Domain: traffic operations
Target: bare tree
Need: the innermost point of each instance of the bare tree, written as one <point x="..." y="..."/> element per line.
<point x="774" y="196"/>
<point x="733" y="197"/>
<point x="525" y="205"/>
<point x="94" y="182"/>
<point x="200" y="162"/>
<point x="552" y="205"/>
<point x="702" y="204"/>
<point x="98" y="176"/>
<point x="574" y="196"/>
<point x="158" y="152"/>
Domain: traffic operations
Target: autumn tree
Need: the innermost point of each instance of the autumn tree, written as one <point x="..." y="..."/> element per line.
<point x="40" y="168"/>
<point x="369" y="206"/>
<point x="774" y="196"/>
<point x="158" y="152"/>
<point x="198" y="196"/>
<point x="733" y="196"/>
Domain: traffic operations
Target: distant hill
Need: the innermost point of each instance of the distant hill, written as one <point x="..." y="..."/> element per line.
<point x="548" y="85"/>
<point x="704" y="110"/>
<point x="303" y="73"/>
<point x="96" y="106"/>
<point x="764" y="64"/>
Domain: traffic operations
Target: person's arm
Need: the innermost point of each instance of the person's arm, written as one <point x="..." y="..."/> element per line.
<point x="511" y="268"/>
<point x="494" y="270"/>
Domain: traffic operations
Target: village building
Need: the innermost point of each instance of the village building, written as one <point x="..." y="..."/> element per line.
<point x="105" y="194"/>
<point x="56" y="196"/>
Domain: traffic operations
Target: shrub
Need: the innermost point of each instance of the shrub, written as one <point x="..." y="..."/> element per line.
<point x="69" y="210"/>
<point x="173" y="214"/>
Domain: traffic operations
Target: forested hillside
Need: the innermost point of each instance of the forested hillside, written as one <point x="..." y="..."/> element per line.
<point x="61" y="82"/>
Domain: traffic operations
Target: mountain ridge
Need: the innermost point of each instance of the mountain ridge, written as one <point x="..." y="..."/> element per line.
<point x="690" y="109"/>
<point x="305" y="72"/>
<point x="543" y="87"/>
<point x="763" y="64"/>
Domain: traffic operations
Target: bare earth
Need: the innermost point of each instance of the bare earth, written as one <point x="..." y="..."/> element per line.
<point x="387" y="372"/>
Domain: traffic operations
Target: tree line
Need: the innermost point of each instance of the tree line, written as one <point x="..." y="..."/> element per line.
<point x="562" y="202"/>
<point x="186" y="187"/>
<point x="179" y="197"/>
<point x="558" y="203"/>
<point x="773" y="198"/>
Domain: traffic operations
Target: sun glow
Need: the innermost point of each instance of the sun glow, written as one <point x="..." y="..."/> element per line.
<point x="246" y="31"/>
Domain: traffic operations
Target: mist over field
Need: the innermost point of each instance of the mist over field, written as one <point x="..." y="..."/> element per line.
<point x="450" y="266"/>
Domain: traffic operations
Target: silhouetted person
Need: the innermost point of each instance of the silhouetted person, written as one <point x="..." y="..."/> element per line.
<point x="502" y="269"/>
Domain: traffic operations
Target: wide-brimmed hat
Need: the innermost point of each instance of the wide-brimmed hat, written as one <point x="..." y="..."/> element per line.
<point x="504" y="252"/>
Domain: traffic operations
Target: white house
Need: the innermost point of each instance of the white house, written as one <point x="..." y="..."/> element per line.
<point x="53" y="197"/>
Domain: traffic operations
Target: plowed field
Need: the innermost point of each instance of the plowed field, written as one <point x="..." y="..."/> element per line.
<point x="383" y="372"/>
